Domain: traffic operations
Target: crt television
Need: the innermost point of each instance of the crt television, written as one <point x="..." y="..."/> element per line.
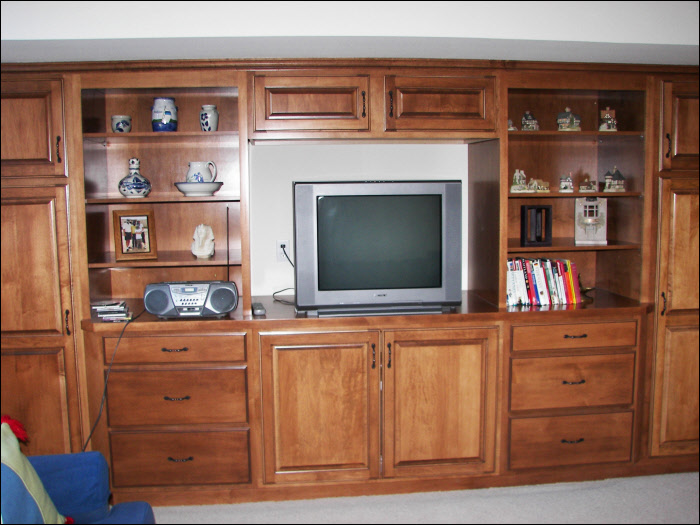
<point x="377" y="248"/>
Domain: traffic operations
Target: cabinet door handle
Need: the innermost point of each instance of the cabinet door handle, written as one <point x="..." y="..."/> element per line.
<point x="183" y="349"/>
<point x="58" y="149"/>
<point x="168" y="398"/>
<point x="582" y="336"/>
<point x="573" y="382"/>
<point x="388" y="364"/>
<point x="567" y="442"/>
<point x="364" y="104"/>
<point x="183" y="460"/>
<point x="663" y="296"/>
<point x="374" y="356"/>
<point x="67" y="327"/>
<point x="668" y="152"/>
<point x="391" y="104"/>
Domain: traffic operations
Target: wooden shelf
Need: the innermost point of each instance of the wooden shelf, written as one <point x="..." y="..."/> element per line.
<point x="576" y="194"/>
<point x="181" y="258"/>
<point x="568" y="244"/>
<point x="113" y="198"/>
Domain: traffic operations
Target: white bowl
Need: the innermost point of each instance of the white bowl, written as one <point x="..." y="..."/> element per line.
<point x="198" y="189"/>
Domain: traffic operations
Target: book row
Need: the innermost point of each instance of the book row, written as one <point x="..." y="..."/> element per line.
<point x="542" y="282"/>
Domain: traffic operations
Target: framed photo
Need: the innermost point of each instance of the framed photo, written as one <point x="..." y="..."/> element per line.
<point x="134" y="235"/>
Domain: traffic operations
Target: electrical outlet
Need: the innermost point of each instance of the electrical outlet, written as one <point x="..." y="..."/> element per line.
<point x="280" y="252"/>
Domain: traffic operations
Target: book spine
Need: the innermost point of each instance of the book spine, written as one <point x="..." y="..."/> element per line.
<point x="542" y="291"/>
<point x="577" y="287"/>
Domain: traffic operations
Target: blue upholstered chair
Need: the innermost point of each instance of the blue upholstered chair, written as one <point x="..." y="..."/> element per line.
<point x="78" y="485"/>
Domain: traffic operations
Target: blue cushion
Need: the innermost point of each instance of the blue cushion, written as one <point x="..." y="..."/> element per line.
<point x="24" y="499"/>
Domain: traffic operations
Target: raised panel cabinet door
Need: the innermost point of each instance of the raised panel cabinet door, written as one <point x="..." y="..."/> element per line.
<point x="680" y="126"/>
<point x="32" y="129"/>
<point x="312" y="103"/>
<point x="34" y="392"/>
<point x="675" y="399"/>
<point x="439" y="401"/>
<point x="320" y="406"/>
<point x="439" y="103"/>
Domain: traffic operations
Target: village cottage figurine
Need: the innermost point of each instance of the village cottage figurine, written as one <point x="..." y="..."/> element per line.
<point x="566" y="184"/>
<point x="607" y="120"/>
<point x="588" y="186"/>
<point x="568" y="121"/>
<point x="529" y="122"/>
<point x="519" y="182"/>
<point x="614" y="182"/>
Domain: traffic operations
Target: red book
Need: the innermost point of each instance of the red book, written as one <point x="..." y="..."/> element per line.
<point x="574" y="276"/>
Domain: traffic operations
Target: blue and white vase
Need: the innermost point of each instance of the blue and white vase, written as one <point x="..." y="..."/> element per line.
<point x="209" y="118"/>
<point x="164" y="114"/>
<point x="134" y="185"/>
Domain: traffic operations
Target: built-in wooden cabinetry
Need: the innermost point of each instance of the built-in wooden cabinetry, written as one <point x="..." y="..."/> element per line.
<point x="379" y="404"/>
<point x="675" y="399"/>
<point x="39" y="330"/>
<point x="255" y="408"/>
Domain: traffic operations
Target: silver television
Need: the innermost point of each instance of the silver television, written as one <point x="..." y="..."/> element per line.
<point x="377" y="248"/>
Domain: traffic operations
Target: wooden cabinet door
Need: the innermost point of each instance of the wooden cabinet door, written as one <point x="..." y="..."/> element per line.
<point x="321" y="406"/>
<point x="32" y="129"/>
<point x="675" y="408"/>
<point x="439" y="103"/>
<point x="439" y="402"/>
<point x="38" y="362"/>
<point x="680" y="124"/>
<point x="311" y="103"/>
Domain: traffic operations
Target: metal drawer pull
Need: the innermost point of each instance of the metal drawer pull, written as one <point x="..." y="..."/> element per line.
<point x="573" y="382"/>
<point x="582" y="336"/>
<point x="176" y="398"/>
<point x="391" y="104"/>
<point x="374" y="356"/>
<point x="58" y="148"/>
<point x="668" y="153"/>
<point x="183" y="460"/>
<point x="183" y="349"/>
<point x="567" y="442"/>
<point x="364" y="104"/>
<point x="388" y="365"/>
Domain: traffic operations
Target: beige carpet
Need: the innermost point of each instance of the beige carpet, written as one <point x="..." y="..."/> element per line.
<point x="669" y="498"/>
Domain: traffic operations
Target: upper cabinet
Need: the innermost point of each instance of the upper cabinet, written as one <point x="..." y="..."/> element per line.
<point x="439" y="103"/>
<point x="311" y="103"/>
<point x="679" y="126"/>
<point x="32" y="128"/>
<point x="372" y="104"/>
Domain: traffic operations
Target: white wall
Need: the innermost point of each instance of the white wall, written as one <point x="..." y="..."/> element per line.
<point x="275" y="167"/>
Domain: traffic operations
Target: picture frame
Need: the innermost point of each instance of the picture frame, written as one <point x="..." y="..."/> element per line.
<point x="134" y="235"/>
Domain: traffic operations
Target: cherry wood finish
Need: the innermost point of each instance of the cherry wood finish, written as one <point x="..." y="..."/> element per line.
<point x="439" y="402"/>
<point x="439" y="103"/>
<point x="175" y="349"/>
<point x="33" y="138"/>
<point x="680" y="125"/>
<point x="579" y="335"/>
<point x="675" y="400"/>
<point x="311" y="102"/>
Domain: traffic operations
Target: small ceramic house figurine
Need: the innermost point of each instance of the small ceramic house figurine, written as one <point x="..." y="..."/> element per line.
<point x="591" y="221"/>
<point x="566" y="184"/>
<point x="614" y="181"/>
<point x="588" y="186"/>
<point x="529" y="122"/>
<point x="568" y="121"/>
<point x="511" y="126"/>
<point x="541" y="186"/>
<point x="607" y="120"/>
<point x="519" y="182"/>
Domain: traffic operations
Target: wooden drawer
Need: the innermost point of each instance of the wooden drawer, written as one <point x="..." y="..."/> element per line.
<point x="179" y="458"/>
<point x="576" y="381"/>
<point x="578" y="335"/>
<point x="176" y="349"/>
<point x="167" y="397"/>
<point x="570" y="440"/>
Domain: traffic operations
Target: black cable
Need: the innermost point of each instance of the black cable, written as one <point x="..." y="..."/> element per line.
<point x="283" y="301"/>
<point x="284" y="250"/>
<point x="109" y="369"/>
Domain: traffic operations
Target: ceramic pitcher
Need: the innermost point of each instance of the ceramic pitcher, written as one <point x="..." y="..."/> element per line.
<point x="201" y="171"/>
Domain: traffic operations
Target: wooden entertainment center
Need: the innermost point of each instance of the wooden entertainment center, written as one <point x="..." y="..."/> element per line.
<point x="279" y="407"/>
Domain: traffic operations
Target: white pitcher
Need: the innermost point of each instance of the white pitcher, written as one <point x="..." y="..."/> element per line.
<point x="201" y="171"/>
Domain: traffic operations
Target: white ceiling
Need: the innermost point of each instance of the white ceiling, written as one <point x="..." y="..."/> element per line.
<point x="609" y="32"/>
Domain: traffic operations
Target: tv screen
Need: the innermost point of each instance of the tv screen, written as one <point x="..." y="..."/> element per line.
<point x="377" y="247"/>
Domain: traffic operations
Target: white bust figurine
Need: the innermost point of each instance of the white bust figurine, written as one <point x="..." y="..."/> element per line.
<point x="203" y="243"/>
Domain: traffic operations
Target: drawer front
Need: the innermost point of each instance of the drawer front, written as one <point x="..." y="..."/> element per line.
<point x="570" y="440"/>
<point x="176" y="349"/>
<point x="168" y="397"/>
<point x="576" y="381"/>
<point x="179" y="458"/>
<point x="579" y="335"/>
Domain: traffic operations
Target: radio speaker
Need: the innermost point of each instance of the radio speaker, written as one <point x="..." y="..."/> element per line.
<point x="191" y="299"/>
